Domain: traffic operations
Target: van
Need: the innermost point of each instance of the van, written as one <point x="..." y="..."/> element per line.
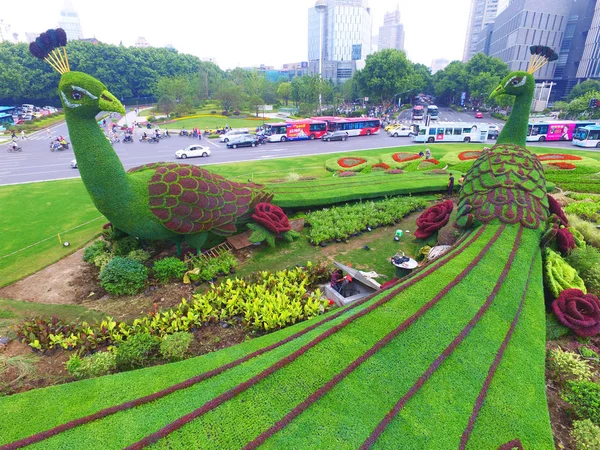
<point x="233" y="134"/>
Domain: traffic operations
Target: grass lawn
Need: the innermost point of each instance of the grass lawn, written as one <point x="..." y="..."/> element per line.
<point x="30" y="234"/>
<point x="213" y="122"/>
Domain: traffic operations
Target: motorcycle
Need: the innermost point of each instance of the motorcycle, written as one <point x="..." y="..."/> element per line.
<point x="184" y="133"/>
<point x="153" y="140"/>
<point x="56" y="146"/>
<point x="262" y="139"/>
<point x="128" y="138"/>
<point x="14" y="148"/>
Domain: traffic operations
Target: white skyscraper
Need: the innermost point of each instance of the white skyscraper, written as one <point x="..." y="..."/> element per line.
<point x="346" y="31"/>
<point x="391" y="34"/>
<point x="69" y="21"/>
<point x="482" y="12"/>
<point x="6" y="35"/>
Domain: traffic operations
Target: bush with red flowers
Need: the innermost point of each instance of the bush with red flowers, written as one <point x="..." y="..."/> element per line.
<point x="578" y="311"/>
<point x="404" y="157"/>
<point x="557" y="210"/>
<point x="469" y="154"/>
<point x="348" y="162"/>
<point x="565" y="242"/>
<point x="433" y="219"/>
<point x="380" y="166"/>
<point x="560" y="156"/>
<point x="271" y="217"/>
<point x="563" y="165"/>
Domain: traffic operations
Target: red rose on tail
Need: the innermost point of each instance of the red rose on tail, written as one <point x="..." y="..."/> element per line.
<point x="271" y="217"/>
<point x="578" y="311"/>
<point x="565" y="241"/>
<point x="433" y="219"/>
<point x="555" y="208"/>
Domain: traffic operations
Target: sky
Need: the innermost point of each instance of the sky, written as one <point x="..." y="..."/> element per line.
<point x="242" y="33"/>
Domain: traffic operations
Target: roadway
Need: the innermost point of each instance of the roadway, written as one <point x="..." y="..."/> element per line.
<point x="37" y="163"/>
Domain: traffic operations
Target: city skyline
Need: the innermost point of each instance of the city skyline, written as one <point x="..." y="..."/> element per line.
<point x="270" y="35"/>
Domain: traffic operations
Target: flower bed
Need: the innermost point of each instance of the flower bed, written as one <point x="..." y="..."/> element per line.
<point x="341" y="222"/>
<point x="350" y="163"/>
<point x="402" y="157"/>
<point x="394" y="171"/>
<point x="428" y="164"/>
<point x="563" y="165"/>
<point x="346" y="174"/>
<point x="559" y="156"/>
<point x="469" y="154"/>
<point x="380" y="166"/>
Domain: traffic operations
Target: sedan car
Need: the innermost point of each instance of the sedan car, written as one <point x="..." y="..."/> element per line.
<point x="335" y="136"/>
<point x="245" y="140"/>
<point x="479" y="115"/>
<point x="402" y="131"/>
<point x="193" y="151"/>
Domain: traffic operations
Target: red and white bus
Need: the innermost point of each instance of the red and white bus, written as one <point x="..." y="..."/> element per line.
<point x="295" y="130"/>
<point x="554" y="130"/>
<point x="418" y="112"/>
<point x="353" y="126"/>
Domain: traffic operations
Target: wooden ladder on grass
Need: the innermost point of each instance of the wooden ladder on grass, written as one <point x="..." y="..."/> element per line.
<point x="217" y="251"/>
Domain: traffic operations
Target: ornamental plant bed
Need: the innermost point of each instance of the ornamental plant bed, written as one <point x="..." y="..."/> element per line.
<point x="468" y="155"/>
<point x="559" y="156"/>
<point x="563" y="165"/>
<point x="402" y="157"/>
<point x="350" y="163"/>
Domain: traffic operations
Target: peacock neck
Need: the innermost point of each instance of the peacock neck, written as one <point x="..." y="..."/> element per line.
<point x="101" y="169"/>
<point x="515" y="130"/>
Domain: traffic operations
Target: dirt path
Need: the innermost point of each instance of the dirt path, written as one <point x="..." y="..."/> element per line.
<point x="64" y="282"/>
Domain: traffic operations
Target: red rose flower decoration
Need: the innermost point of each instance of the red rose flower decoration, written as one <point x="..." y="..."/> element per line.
<point x="433" y="219"/>
<point x="565" y="241"/>
<point x="578" y="311"/>
<point x="555" y="208"/>
<point x="271" y="217"/>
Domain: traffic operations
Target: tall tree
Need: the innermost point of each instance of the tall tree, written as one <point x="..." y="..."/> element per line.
<point x="583" y="88"/>
<point x="284" y="91"/>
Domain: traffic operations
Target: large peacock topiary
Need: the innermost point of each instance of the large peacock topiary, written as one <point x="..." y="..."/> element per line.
<point x="155" y="201"/>
<point x="452" y="357"/>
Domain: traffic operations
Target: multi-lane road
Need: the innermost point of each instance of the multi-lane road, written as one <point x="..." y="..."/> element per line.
<point x="37" y="163"/>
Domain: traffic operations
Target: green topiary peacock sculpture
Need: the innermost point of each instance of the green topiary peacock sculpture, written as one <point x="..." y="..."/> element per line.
<point x="155" y="201"/>
<point x="451" y="357"/>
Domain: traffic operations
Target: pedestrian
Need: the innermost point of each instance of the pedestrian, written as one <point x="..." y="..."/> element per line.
<point x="451" y="185"/>
<point x="427" y="153"/>
<point x="461" y="180"/>
<point x="13" y="135"/>
<point x="104" y="122"/>
<point x="48" y="133"/>
<point x="23" y="135"/>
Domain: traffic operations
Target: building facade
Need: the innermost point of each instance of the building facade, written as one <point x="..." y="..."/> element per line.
<point x="589" y="67"/>
<point x="525" y="23"/>
<point x="69" y="21"/>
<point x="482" y="12"/>
<point x="346" y="35"/>
<point x="391" y="34"/>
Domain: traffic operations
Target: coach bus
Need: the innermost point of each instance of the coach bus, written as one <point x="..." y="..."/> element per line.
<point x="418" y="112"/>
<point x="588" y="136"/>
<point x="433" y="112"/>
<point x="553" y="130"/>
<point x="452" y="132"/>
<point x="295" y="130"/>
<point x="353" y="126"/>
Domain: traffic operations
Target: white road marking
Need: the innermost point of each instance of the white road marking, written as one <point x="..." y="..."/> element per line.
<point x="211" y="142"/>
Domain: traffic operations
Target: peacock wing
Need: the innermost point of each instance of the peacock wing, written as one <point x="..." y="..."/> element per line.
<point x="505" y="183"/>
<point x="188" y="199"/>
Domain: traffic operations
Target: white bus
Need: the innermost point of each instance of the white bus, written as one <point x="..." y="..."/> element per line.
<point x="433" y="112"/>
<point x="453" y="132"/>
<point x="588" y="136"/>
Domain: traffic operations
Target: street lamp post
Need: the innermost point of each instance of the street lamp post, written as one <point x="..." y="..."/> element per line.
<point x="320" y="6"/>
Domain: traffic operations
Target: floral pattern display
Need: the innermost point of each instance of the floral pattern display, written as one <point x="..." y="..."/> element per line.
<point x="348" y="162"/>
<point x="404" y="157"/>
<point x="433" y="219"/>
<point x="559" y="156"/>
<point x="380" y="166"/>
<point x="347" y="174"/>
<point x="565" y="241"/>
<point x="578" y="311"/>
<point x="557" y="210"/>
<point x="469" y="154"/>
<point x="563" y="165"/>
<point x="272" y="218"/>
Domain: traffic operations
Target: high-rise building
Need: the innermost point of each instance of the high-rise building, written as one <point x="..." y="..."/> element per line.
<point x="589" y="67"/>
<point x="6" y="35"/>
<point x="525" y="23"/>
<point x="69" y="21"/>
<point x="391" y="34"/>
<point x="438" y="64"/>
<point x="482" y="12"/>
<point x="346" y="32"/>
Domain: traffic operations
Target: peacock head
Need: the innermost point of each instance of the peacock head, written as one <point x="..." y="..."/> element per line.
<point x="85" y="96"/>
<point x="515" y="83"/>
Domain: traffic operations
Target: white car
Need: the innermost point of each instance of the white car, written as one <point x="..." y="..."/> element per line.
<point x="401" y="131"/>
<point x="233" y="134"/>
<point x="74" y="164"/>
<point x="193" y="151"/>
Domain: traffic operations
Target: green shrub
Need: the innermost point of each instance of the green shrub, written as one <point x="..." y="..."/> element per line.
<point x="559" y="275"/>
<point x="589" y="231"/>
<point x="167" y="269"/>
<point x="568" y="366"/>
<point x="102" y="260"/>
<point x="584" y="396"/>
<point x="139" y="255"/>
<point x="586" y="435"/>
<point x="175" y="346"/>
<point x="137" y="351"/>
<point x="98" y="364"/>
<point x="122" y="276"/>
<point x="587" y="352"/>
<point x="586" y="261"/>
<point x="96" y="249"/>
<point x="125" y="245"/>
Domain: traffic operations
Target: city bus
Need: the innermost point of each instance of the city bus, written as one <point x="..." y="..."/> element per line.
<point x="295" y="130"/>
<point x="356" y="126"/>
<point x="418" y="112"/>
<point x="452" y="132"/>
<point x="553" y="130"/>
<point x="588" y="136"/>
<point x="433" y="112"/>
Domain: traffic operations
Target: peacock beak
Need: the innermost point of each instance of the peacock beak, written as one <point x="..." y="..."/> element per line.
<point x="109" y="102"/>
<point x="498" y="91"/>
